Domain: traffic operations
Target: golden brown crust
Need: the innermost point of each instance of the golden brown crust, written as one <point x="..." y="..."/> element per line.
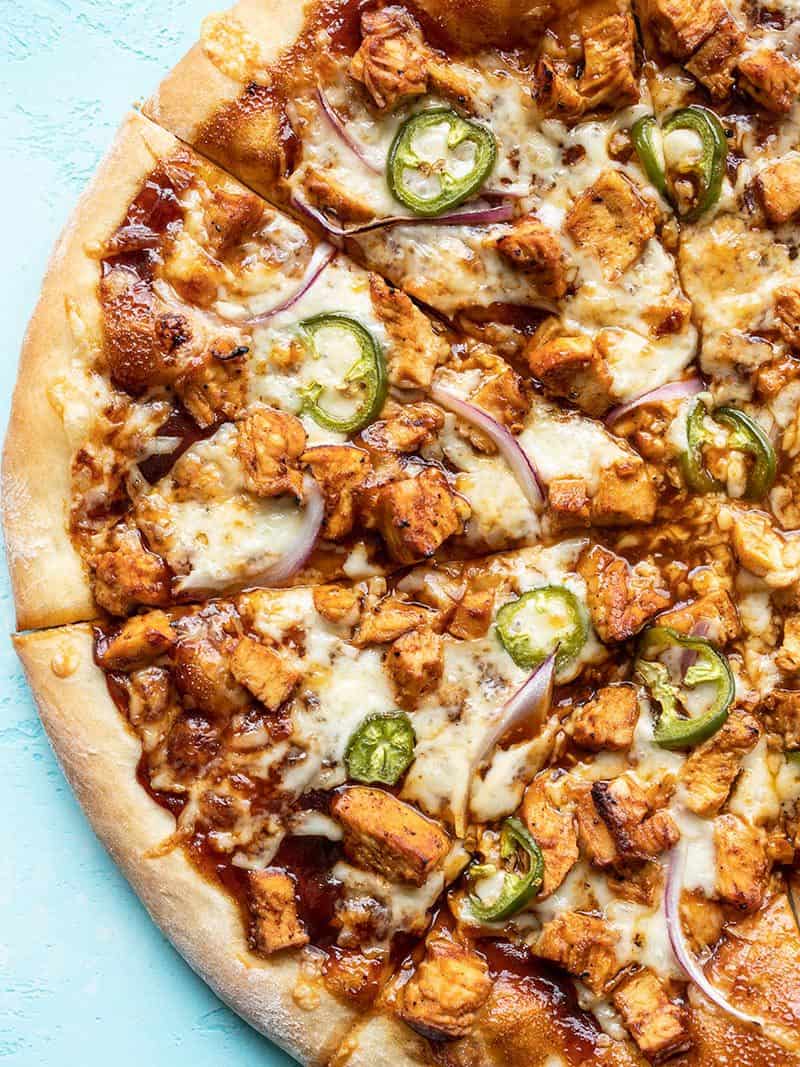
<point x="280" y="997"/>
<point x="48" y="578"/>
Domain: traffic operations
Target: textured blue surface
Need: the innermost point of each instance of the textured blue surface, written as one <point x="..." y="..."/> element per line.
<point x="85" y="978"/>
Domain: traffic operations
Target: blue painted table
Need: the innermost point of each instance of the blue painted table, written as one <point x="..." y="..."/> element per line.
<point x="85" y="978"/>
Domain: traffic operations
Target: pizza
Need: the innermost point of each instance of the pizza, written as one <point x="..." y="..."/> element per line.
<point x="402" y="504"/>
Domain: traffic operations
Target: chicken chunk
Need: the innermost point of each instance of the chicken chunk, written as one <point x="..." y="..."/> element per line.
<point x="504" y="394"/>
<point x="778" y="187"/>
<point x="474" y="612"/>
<point x="624" y="807"/>
<point x="447" y="990"/>
<point x="406" y="429"/>
<point x="626" y="494"/>
<point x="137" y="642"/>
<point x="217" y="388"/>
<point x="337" y="603"/>
<point x="129" y="574"/>
<point x="788" y="655"/>
<point x="609" y="62"/>
<point x="608" y="721"/>
<point x="714" y="62"/>
<point x="392" y="61"/>
<point x="569" y="502"/>
<point x="761" y="548"/>
<point x="573" y="368"/>
<point x="230" y="214"/>
<point x="621" y="598"/>
<point x="611" y="222"/>
<point x="274" y="921"/>
<point x="202" y="675"/>
<point x="742" y="862"/>
<point x="786" y="301"/>
<point x="386" y="835"/>
<point x="269" y="445"/>
<point x="783" y="715"/>
<point x="715" y="612"/>
<point x="340" y="471"/>
<point x="414" y="349"/>
<point x="415" y="664"/>
<point x="264" y="672"/>
<point x="336" y="200"/>
<point x="771" y="79"/>
<point x="702" y="919"/>
<point x="594" y="837"/>
<point x="657" y="1025"/>
<point x="556" y="91"/>
<point x="416" y="515"/>
<point x="681" y="28"/>
<point x="389" y="619"/>
<point x="554" y="830"/>
<point x="583" y="945"/>
<point x="534" y="248"/>
<point x="711" y="769"/>
<point x="193" y="741"/>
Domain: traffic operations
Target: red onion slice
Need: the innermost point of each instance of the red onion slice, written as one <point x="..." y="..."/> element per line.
<point x="671" y="391"/>
<point x="520" y="463"/>
<point x="338" y="126"/>
<point x="530" y="703"/>
<point x="323" y="254"/>
<point x="289" y="564"/>
<point x="677" y="939"/>
<point x="465" y="216"/>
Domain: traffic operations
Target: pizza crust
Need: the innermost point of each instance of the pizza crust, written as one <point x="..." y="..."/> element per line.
<point x="49" y="581"/>
<point x="99" y="756"/>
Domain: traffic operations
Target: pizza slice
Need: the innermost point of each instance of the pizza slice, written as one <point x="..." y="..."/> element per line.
<point x="235" y="402"/>
<point x="506" y="198"/>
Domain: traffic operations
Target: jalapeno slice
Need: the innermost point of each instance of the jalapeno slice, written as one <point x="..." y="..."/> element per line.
<point x="539" y="621"/>
<point x="676" y="728"/>
<point x="706" y="172"/>
<point x="381" y="749"/>
<point x="793" y="757"/>
<point x="744" y="435"/>
<point x="366" y="377"/>
<point x="519" y="850"/>
<point x="440" y="186"/>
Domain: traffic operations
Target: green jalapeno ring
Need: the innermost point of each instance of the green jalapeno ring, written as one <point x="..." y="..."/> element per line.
<point x="745" y="435"/>
<point x="714" y="143"/>
<point x="793" y="757"/>
<point x="521" y="647"/>
<point x="710" y="170"/>
<point x="370" y="368"/>
<point x="452" y="191"/>
<point x="518" y="888"/>
<point x="381" y="748"/>
<point x="674" y="731"/>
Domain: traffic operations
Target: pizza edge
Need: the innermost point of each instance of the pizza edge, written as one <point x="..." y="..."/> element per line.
<point x="99" y="758"/>
<point x="49" y="582"/>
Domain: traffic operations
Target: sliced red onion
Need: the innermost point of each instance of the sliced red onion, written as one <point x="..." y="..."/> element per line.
<point x="289" y="564"/>
<point x="465" y="216"/>
<point x="323" y="254"/>
<point x="671" y="391"/>
<point x="677" y="939"/>
<point x="529" y="704"/>
<point x="343" y="133"/>
<point x="520" y="463"/>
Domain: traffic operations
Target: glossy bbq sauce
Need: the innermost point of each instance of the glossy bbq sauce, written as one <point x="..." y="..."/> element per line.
<point x="578" y="1029"/>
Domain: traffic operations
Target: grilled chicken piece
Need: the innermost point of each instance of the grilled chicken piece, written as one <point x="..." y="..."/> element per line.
<point x="341" y="471"/>
<point x="274" y="921"/>
<point x="415" y="515"/>
<point x="714" y="62"/>
<point x="129" y="574"/>
<point x="609" y="62"/>
<point x="442" y="998"/>
<point x="553" y="830"/>
<point x="608" y="721"/>
<point x="621" y="598"/>
<point x="778" y="187"/>
<point x="264" y="672"/>
<point x="139" y="641"/>
<point x="771" y="79"/>
<point x="742" y="862"/>
<point x="581" y="944"/>
<point x="269" y="446"/>
<point x="390" y="618"/>
<point x="657" y="1025"/>
<point x="710" y="770"/>
<point x="638" y="832"/>
<point x="761" y="548"/>
<point x="414" y="349"/>
<point x="534" y="248"/>
<point x="611" y="222"/>
<point x="406" y="429"/>
<point x="415" y="663"/>
<point x="680" y="28"/>
<point x="715" y="611"/>
<point x="386" y="835"/>
<point x="392" y="61"/>
<point x="575" y="369"/>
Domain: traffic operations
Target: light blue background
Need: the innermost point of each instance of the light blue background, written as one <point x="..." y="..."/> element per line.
<point x="85" y="978"/>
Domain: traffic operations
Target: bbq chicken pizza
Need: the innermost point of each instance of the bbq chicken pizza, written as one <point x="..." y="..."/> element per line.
<point x="402" y="501"/>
